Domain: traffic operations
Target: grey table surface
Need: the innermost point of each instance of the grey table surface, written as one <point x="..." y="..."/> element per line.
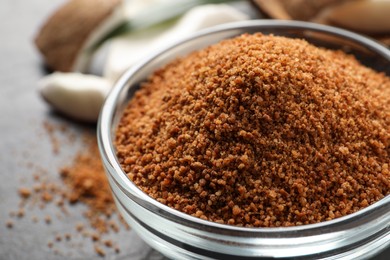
<point x="25" y="146"/>
<point x="23" y="142"/>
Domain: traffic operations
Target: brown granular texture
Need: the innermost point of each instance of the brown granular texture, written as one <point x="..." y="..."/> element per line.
<point x="83" y="181"/>
<point x="260" y="131"/>
<point x="88" y="183"/>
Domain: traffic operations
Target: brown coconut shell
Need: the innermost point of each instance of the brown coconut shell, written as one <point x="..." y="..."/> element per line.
<point x="303" y="10"/>
<point x="306" y="10"/>
<point x="65" y="32"/>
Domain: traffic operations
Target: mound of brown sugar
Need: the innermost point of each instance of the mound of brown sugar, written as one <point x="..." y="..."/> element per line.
<point x="260" y="131"/>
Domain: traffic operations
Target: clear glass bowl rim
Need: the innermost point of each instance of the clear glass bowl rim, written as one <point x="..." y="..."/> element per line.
<point x="107" y="150"/>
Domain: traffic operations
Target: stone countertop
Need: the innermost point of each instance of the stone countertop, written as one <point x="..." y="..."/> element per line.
<point x="26" y="147"/>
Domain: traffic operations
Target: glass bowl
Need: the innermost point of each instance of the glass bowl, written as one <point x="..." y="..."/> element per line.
<point x="181" y="236"/>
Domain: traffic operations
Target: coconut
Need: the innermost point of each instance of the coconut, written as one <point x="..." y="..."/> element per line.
<point x="138" y="45"/>
<point x="78" y="96"/>
<point x="368" y="17"/>
<point x="66" y="38"/>
<point x="304" y="10"/>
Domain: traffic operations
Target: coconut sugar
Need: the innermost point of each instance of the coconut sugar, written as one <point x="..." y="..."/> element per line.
<point x="83" y="181"/>
<point x="260" y="131"/>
